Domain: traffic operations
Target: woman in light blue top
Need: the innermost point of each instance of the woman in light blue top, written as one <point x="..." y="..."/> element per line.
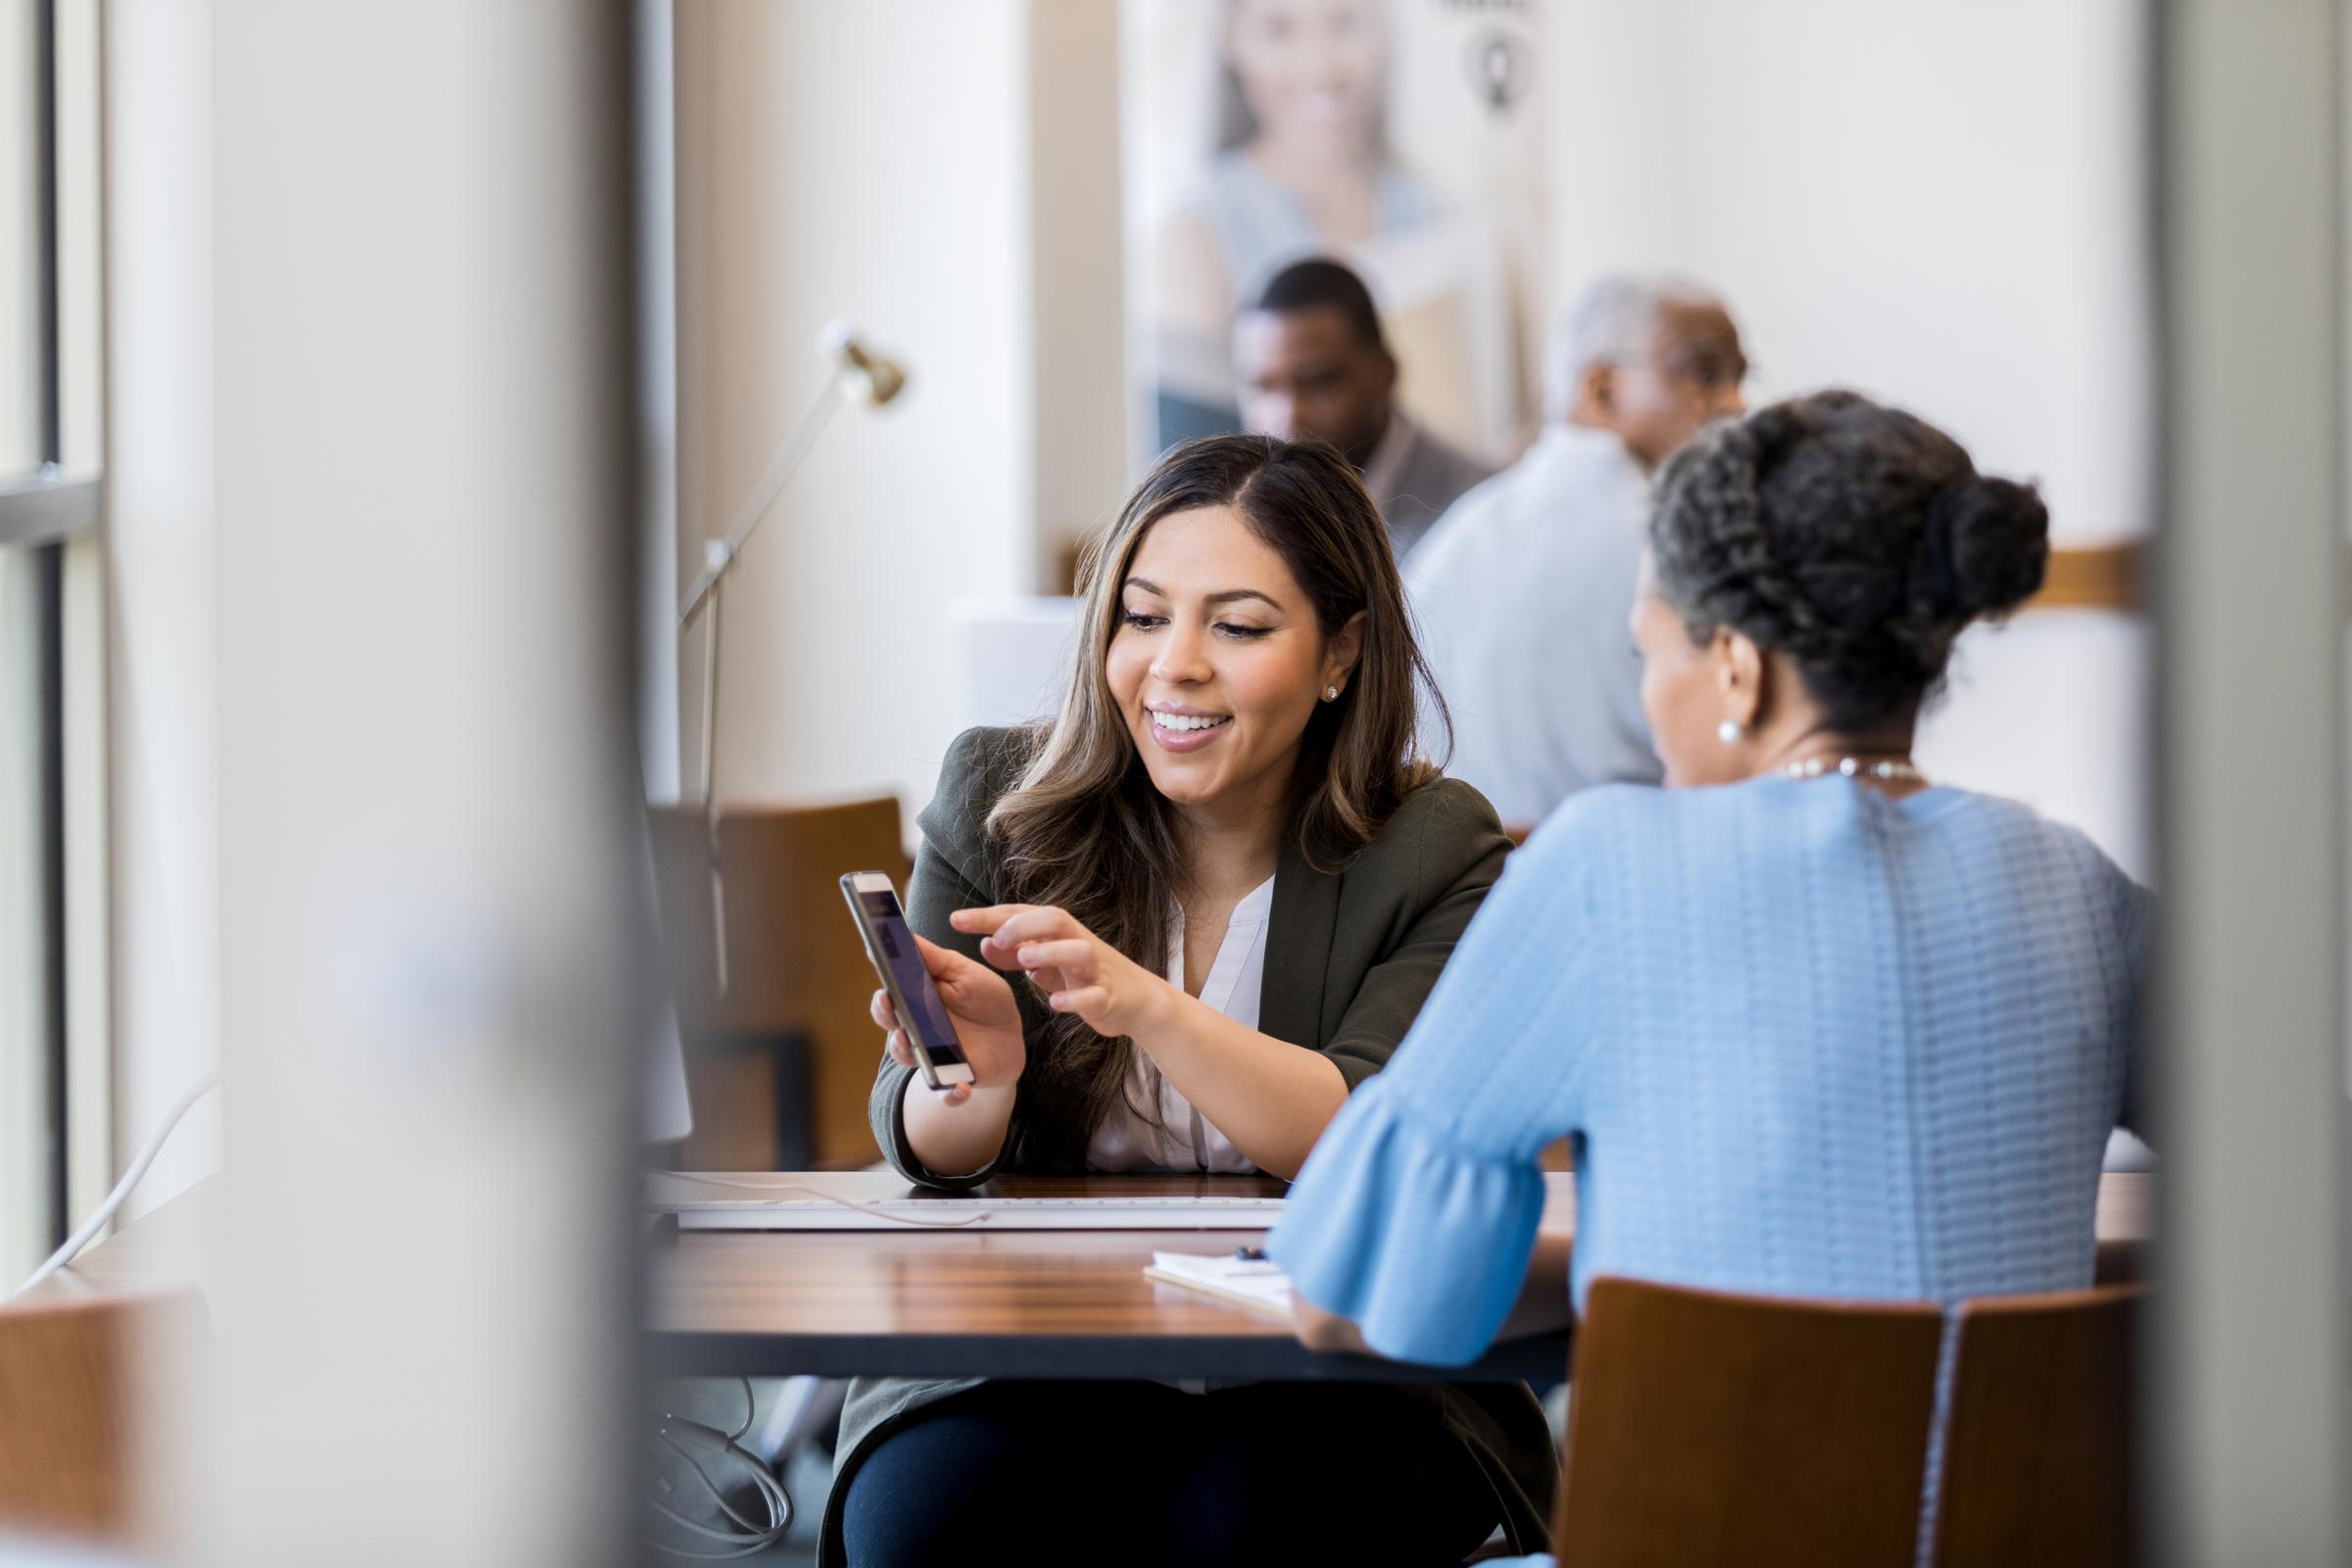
<point x="1816" y="1028"/>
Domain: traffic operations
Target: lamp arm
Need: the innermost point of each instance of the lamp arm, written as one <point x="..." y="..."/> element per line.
<point x="719" y="558"/>
<point x="881" y="381"/>
<point x="718" y="554"/>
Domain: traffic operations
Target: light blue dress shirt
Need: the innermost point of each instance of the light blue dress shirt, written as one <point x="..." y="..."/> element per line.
<point x="1809" y="1041"/>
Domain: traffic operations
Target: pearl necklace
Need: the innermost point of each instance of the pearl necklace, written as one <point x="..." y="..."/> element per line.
<point x="1887" y="771"/>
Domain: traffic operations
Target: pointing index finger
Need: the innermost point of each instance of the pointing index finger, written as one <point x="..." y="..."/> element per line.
<point x="1033" y="924"/>
<point x="988" y="919"/>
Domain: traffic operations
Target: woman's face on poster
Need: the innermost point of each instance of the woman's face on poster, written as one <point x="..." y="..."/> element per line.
<point x="1309" y="69"/>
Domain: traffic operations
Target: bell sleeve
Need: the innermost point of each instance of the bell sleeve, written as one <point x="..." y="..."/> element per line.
<point x="1416" y="1215"/>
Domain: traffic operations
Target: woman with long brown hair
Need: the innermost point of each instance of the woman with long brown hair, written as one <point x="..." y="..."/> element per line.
<point x="1223" y="880"/>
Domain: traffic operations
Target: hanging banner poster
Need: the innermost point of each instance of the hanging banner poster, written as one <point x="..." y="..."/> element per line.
<point x="1400" y="136"/>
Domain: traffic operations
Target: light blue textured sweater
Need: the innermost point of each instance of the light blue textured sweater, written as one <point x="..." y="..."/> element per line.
<point x="1810" y="1041"/>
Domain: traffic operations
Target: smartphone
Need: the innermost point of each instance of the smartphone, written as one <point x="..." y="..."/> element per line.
<point x="922" y="1016"/>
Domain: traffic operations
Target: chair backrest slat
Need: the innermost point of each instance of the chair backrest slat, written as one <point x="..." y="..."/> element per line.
<point x="795" y="966"/>
<point x="2038" y="1457"/>
<point x="1706" y="1427"/>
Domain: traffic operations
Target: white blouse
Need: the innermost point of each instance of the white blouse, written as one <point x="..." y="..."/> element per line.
<point x="1183" y="1139"/>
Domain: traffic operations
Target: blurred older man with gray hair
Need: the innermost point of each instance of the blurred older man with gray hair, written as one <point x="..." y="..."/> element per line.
<point x="1522" y="590"/>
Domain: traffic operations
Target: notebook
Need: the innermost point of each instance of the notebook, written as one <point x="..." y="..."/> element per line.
<point x="1252" y="1283"/>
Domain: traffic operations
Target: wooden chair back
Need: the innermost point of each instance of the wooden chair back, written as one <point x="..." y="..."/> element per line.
<point x="795" y="968"/>
<point x="1706" y="1427"/>
<point x="68" y="1372"/>
<point x="2038" y="1449"/>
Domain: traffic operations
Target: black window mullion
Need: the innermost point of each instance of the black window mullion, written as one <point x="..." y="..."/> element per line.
<point x="49" y="563"/>
<point x="49" y="568"/>
<point x="50" y="349"/>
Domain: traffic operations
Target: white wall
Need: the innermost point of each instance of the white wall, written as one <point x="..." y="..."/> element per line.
<point x="2055" y="709"/>
<point x="1082" y="451"/>
<point x="1937" y="204"/>
<point x="1940" y="204"/>
<point x="867" y="162"/>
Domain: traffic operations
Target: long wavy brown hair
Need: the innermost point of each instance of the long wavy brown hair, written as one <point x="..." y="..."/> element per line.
<point x="1084" y="829"/>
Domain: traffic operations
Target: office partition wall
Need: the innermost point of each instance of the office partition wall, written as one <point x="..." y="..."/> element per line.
<point x="2250" y="1358"/>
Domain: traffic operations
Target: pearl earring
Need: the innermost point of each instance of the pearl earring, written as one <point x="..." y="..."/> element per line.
<point x="1731" y="731"/>
<point x="1330" y="694"/>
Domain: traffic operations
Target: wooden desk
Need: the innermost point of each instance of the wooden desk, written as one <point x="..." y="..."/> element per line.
<point x="1041" y="1303"/>
<point x="171" y="1247"/>
<point x="1009" y="1303"/>
<point x="1005" y="1303"/>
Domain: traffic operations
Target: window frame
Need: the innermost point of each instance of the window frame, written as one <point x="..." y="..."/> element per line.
<point x="45" y="511"/>
<point x="47" y="508"/>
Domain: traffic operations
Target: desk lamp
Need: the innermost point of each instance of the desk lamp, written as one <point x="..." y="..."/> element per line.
<point x="856" y="375"/>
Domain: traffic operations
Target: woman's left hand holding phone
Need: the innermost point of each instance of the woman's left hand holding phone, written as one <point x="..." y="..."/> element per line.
<point x="980" y="1005"/>
<point x="963" y="1128"/>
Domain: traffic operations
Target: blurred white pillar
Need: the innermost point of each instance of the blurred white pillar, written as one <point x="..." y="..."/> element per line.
<point x="420" y="490"/>
<point x="2251" y="1344"/>
<point x="161" y="619"/>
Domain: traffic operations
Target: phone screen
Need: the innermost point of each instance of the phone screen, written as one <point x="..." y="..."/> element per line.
<point x="920" y="1011"/>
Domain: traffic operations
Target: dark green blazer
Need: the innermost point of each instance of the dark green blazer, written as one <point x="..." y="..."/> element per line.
<point x="1351" y="956"/>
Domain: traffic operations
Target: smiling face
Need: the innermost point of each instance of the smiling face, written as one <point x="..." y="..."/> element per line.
<point x="1309" y="69"/>
<point x="1218" y="662"/>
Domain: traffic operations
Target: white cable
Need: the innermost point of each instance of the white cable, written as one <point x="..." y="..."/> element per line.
<point x="750" y="1410"/>
<point x="748" y="1538"/>
<point x="719" y="1497"/>
<point x="777" y="1520"/>
<point x="130" y="1178"/>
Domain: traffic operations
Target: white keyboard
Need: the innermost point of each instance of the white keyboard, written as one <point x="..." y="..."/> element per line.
<point x="802" y="1212"/>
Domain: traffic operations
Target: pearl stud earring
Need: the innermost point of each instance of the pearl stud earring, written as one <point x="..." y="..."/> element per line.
<point x="1731" y="731"/>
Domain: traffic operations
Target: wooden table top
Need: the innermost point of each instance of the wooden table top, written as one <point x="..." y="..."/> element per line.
<point x="1007" y="1303"/>
<point x="1038" y="1304"/>
<point x="172" y="1246"/>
